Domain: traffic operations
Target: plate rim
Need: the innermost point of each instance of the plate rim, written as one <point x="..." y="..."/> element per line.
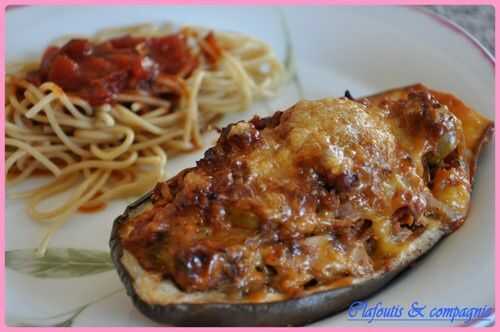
<point x="443" y="21"/>
<point x="438" y="18"/>
<point x="455" y="27"/>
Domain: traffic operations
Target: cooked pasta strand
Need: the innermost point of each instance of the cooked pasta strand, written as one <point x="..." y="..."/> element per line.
<point x="120" y="149"/>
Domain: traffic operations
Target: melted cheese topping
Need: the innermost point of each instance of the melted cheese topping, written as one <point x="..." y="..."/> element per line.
<point x="327" y="190"/>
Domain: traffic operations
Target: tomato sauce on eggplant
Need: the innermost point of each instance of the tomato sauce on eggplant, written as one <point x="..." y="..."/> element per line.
<point x="322" y="192"/>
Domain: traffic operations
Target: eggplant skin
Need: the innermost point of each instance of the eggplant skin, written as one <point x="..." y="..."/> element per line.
<point x="293" y="312"/>
<point x="315" y="304"/>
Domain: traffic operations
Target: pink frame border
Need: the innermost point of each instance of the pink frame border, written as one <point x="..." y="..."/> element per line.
<point x="439" y="18"/>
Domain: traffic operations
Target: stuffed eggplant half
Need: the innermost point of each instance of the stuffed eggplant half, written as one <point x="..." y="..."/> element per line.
<point x="291" y="218"/>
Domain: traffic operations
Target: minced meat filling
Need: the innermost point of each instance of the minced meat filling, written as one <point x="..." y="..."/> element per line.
<point x="325" y="190"/>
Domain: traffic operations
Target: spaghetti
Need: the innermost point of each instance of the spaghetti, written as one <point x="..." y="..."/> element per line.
<point x="102" y="115"/>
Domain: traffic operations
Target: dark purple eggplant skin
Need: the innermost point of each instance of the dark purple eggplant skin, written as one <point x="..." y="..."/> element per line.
<point x="293" y="312"/>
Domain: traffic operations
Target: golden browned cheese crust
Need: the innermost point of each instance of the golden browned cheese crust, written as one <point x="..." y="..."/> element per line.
<point x="326" y="190"/>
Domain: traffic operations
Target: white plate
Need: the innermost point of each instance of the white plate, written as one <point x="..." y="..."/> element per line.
<point x="363" y="49"/>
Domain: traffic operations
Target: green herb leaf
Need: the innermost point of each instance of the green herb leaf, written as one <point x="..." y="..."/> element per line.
<point x="59" y="262"/>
